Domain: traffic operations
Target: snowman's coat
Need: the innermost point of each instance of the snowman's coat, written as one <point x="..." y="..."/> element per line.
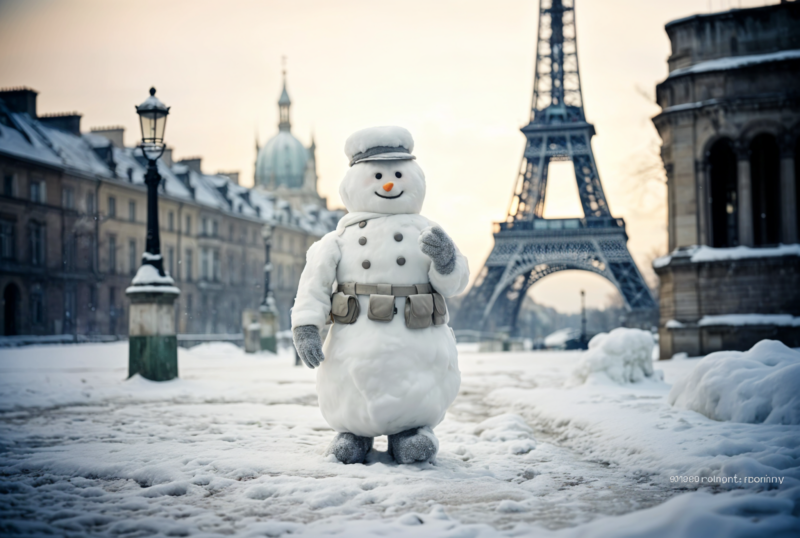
<point x="380" y="378"/>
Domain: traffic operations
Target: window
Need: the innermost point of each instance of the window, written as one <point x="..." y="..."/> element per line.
<point x="214" y="228"/>
<point x="112" y="254"/>
<point x="112" y="207"/>
<point x="37" y="307"/>
<point x="38" y="191"/>
<point x="205" y="264"/>
<point x="69" y="310"/>
<point x="37" y="243"/>
<point x="217" y="268"/>
<point x="132" y="211"/>
<point x="188" y="264"/>
<point x="68" y="198"/>
<point x="70" y="251"/>
<point x="171" y="260"/>
<point x="132" y="266"/>
<point x="171" y="221"/>
<point x="112" y="310"/>
<point x="8" y="185"/>
<point x="7" y="239"/>
<point x="188" y="229"/>
<point x="90" y="203"/>
<point x="204" y="226"/>
<point x="92" y="298"/>
<point x="230" y="233"/>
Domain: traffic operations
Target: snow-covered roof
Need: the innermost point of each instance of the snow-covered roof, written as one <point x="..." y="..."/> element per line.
<point x="93" y="155"/>
<point x="702" y="253"/>
<point x="736" y="62"/>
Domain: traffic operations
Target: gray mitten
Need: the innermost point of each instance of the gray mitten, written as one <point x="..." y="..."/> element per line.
<point x="439" y="248"/>
<point x="308" y="345"/>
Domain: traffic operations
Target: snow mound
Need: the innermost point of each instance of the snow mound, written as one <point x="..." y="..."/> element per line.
<point x="755" y="386"/>
<point x="621" y="356"/>
<point x="508" y="428"/>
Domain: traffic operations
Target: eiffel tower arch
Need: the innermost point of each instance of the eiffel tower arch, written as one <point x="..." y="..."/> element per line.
<point x="527" y="246"/>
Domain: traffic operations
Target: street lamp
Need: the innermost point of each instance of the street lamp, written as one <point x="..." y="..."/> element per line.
<point x="153" y="119"/>
<point x="152" y="335"/>
<point x="268" y="311"/>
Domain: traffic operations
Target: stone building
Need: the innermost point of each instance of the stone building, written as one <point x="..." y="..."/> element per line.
<point x="72" y="231"/>
<point x="730" y="127"/>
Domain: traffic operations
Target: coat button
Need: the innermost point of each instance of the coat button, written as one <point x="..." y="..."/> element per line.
<point x="401" y="261"/>
<point x="398" y="237"/>
<point x="362" y="224"/>
<point x="362" y="240"/>
<point x="365" y="264"/>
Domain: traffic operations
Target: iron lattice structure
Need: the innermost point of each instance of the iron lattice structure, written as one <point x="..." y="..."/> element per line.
<point x="527" y="246"/>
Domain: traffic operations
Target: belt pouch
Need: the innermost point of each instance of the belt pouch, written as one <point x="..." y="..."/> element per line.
<point x="344" y="308"/>
<point x="381" y="307"/>
<point x="419" y="311"/>
<point x="439" y="309"/>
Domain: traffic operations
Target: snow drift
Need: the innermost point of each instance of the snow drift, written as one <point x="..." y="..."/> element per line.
<point x="621" y="356"/>
<point x="755" y="386"/>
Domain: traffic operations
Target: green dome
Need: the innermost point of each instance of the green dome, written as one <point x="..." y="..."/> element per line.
<point x="282" y="162"/>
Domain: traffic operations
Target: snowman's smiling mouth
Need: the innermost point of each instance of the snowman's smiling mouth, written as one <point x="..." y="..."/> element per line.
<point x="390" y="197"/>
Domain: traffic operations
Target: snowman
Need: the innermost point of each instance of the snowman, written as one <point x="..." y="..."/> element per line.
<point x="389" y="365"/>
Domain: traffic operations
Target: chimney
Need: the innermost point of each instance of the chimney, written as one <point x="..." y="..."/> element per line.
<point x="115" y="134"/>
<point x="64" y="121"/>
<point x="193" y="163"/>
<point x="22" y="100"/>
<point x="233" y="176"/>
<point x="166" y="158"/>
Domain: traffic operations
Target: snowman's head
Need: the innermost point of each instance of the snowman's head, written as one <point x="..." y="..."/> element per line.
<point x="383" y="176"/>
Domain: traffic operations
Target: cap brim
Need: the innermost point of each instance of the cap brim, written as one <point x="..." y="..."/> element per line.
<point x="387" y="157"/>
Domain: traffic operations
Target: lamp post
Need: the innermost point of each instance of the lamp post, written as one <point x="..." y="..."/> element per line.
<point x="153" y="120"/>
<point x="268" y="311"/>
<point x="584" y="340"/>
<point x="153" y="342"/>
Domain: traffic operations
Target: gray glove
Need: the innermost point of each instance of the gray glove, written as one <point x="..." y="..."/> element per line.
<point x="439" y="248"/>
<point x="308" y="345"/>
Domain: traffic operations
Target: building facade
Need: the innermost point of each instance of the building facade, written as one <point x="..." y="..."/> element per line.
<point x="730" y="130"/>
<point x="73" y="215"/>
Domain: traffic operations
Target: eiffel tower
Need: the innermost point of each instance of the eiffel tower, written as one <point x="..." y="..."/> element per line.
<point x="527" y="246"/>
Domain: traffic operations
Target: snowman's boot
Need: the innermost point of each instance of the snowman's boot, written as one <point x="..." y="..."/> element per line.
<point x="350" y="448"/>
<point x="411" y="446"/>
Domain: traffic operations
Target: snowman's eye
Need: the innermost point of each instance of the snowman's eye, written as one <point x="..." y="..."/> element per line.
<point x="398" y="175"/>
<point x="378" y="175"/>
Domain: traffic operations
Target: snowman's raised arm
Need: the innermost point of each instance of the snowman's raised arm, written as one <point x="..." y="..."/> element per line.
<point x="449" y="271"/>
<point x="313" y="302"/>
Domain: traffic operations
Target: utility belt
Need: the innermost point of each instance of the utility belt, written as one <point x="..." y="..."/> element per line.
<point x="424" y="306"/>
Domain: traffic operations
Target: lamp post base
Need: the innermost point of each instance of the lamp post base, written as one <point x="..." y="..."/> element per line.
<point x="268" y="320"/>
<point x="153" y="357"/>
<point x="153" y="342"/>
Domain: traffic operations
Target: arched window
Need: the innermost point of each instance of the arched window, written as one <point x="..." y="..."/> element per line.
<point x="765" y="181"/>
<point x="724" y="202"/>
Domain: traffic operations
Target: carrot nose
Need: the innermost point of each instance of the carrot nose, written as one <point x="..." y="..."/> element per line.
<point x="388" y="186"/>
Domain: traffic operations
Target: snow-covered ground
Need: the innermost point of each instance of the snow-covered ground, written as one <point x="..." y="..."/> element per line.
<point x="235" y="447"/>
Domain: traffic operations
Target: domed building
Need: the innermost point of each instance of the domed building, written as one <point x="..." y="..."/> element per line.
<point x="284" y="166"/>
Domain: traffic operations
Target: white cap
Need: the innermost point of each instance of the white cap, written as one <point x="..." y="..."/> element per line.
<point x="379" y="144"/>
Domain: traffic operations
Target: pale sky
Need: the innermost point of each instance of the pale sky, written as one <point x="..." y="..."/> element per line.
<point x="457" y="74"/>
